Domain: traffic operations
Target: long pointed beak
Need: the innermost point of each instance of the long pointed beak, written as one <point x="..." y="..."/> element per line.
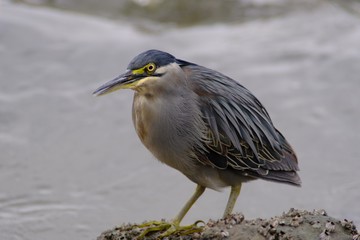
<point x="125" y="80"/>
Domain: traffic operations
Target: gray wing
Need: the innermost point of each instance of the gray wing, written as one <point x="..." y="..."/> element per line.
<point x="240" y="133"/>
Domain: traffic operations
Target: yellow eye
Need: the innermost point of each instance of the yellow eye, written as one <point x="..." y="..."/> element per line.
<point x="150" y="68"/>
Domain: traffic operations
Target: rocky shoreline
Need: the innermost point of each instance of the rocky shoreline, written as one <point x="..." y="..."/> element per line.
<point x="292" y="225"/>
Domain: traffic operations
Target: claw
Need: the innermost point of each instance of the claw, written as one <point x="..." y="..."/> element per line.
<point x="167" y="229"/>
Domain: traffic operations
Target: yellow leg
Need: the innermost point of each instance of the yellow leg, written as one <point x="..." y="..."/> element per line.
<point x="235" y="191"/>
<point x="174" y="226"/>
<point x="198" y="192"/>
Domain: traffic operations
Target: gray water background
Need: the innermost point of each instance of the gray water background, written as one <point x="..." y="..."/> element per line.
<point x="71" y="164"/>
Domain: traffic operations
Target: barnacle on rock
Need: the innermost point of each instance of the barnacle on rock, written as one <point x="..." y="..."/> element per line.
<point x="294" y="224"/>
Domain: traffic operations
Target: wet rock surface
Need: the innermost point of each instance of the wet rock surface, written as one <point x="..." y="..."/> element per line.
<point x="292" y="225"/>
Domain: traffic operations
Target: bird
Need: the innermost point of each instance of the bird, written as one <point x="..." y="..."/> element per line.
<point x="205" y="125"/>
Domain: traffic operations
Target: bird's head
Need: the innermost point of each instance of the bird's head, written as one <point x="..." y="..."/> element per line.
<point x="148" y="66"/>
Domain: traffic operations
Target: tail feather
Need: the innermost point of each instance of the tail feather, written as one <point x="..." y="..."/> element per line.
<point x="287" y="177"/>
<point x="285" y="170"/>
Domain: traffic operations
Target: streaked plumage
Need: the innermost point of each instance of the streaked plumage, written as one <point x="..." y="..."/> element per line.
<point x="204" y="124"/>
<point x="241" y="135"/>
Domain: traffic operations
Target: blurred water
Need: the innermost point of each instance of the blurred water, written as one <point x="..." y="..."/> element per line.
<point x="71" y="165"/>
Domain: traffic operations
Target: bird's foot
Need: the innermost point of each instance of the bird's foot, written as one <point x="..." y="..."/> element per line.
<point x="166" y="229"/>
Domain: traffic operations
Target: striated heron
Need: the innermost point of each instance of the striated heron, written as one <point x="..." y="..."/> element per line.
<point x="204" y="124"/>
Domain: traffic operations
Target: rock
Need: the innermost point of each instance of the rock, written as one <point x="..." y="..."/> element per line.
<point x="293" y="225"/>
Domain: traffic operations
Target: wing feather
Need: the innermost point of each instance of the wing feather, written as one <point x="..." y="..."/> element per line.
<point x="240" y="134"/>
